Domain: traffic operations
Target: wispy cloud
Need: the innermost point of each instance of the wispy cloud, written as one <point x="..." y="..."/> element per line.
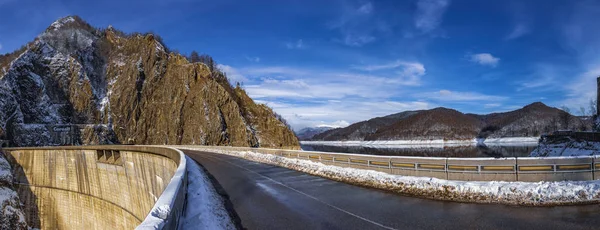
<point x="357" y="24"/>
<point x="492" y="105"/>
<point x="366" y="8"/>
<point x="518" y="31"/>
<point x="543" y="78"/>
<point x="453" y="96"/>
<point x="409" y="73"/>
<point x="232" y="73"/>
<point x="253" y="59"/>
<point x="357" y="40"/>
<point x="0" y="46"/>
<point x="485" y="59"/>
<point x="299" y="44"/>
<point x="327" y="113"/>
<point x="429" y="14"/>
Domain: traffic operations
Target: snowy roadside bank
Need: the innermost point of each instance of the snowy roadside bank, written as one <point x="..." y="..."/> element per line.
<point x="514" y="193"/>
<point x="475" y="141"/>
<point x="205" y="207"/>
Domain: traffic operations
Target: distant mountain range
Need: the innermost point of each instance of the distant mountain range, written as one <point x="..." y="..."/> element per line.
<point x="309" y="132"/>
<point x="448" y="124"/>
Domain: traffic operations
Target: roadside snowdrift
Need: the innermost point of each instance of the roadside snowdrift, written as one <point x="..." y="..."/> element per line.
<point x="204" y="208"/>
<point x="514" y="193"/>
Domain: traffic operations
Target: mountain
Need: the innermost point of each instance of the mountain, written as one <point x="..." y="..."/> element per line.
<point x="531" y="120"/>
<point x="105" y="86"/>
<point x="309" y="132"/>
<point x="360" y="130"/>
<point x="442" y="123"/>
<point x="11" y="211"/>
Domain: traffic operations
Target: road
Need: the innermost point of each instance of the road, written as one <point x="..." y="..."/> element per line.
<point x="270" y="197"/>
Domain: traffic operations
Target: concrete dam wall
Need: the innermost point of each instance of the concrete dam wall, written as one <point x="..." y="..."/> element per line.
<point x="99" y="187"/>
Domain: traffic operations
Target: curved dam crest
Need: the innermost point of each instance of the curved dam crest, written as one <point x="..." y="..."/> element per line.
<point x="95" y="187"/>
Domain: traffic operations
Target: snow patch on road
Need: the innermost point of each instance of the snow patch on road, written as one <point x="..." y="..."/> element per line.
<point x="517" y="193"/>
<point x="204" y="209"/>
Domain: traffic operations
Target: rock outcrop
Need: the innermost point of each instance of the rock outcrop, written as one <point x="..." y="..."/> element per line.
<point x="102" y="86"/>
<point x="11" y="214"/>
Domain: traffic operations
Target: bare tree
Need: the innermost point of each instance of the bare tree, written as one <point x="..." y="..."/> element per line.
<point x="592" y="109"/>
<point x="565" y="117"/>
<point x="194" y="57"/>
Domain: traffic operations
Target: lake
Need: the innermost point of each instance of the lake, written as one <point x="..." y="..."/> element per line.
<point x="466" y="151"/>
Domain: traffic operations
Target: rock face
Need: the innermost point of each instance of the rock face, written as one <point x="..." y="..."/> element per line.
<point x="11" y="214"/>
<point x="102" y="87"/>
<point x="441" y="123"/>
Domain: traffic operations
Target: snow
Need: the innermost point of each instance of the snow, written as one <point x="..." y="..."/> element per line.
<point x="59" y="23"/>
<point x="433" y="143"/>
<point x="512" y="140"/>
<point x="570" y="148"/>
<point x="521" y="193"/>
<point x="160" y="213"/>
<point x="391" y="142"/>
<point x="205" y="208"/>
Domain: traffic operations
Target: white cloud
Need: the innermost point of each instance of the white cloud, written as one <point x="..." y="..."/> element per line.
<point x="410" y="73"/>
<point x="342" y="114"/>
<point x="543" y="78"/>
<point x="311" y="97"/>
<point x="233" y="74"/>
<point x="0" y="46"/>
<point x="581" y="90"/>
<point x="492" y="105"/>
<point x="453" y="96"/>
<point x="253" y="59"/>
<point x="358" y="25"/>
<point x="518" y="31"/>
<point x="358" y="40"/>
<point x="366" y="8"/>
<point x="299" y="44"/>
<point x="485" y="59"/>
<point x="429" y="14"/>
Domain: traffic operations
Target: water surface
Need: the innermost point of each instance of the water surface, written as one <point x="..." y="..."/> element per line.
<point x="470" y="151"/>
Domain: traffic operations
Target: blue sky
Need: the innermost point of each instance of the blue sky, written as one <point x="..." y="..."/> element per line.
<point x="337" y="62"/>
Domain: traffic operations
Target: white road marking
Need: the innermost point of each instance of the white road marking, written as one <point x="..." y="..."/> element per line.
<point x="307" y="195"/>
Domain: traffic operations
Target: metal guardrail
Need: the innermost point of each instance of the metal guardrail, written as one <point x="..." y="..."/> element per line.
<point x="531" y="169"/>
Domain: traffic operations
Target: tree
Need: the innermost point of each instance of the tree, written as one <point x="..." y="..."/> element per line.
<point x="565" y="117"/>
<point x="194" y="57"/>
<point x="592" y="109"/>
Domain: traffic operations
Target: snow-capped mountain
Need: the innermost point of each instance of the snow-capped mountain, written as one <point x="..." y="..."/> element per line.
<point x="309" y="132"/>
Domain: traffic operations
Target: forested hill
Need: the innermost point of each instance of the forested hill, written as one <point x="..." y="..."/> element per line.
<point x="442" y="123"/>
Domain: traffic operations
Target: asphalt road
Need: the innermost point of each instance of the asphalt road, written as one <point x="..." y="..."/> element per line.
<point x="270" y="197"/>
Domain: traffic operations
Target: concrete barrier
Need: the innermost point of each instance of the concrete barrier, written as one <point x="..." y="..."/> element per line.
<point x="530" y="169"/>
<point x="100" y="187"/>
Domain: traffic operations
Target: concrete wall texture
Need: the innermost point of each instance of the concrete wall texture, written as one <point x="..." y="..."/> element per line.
<point x="91" y="187"/>
<point x="528" y="169"/>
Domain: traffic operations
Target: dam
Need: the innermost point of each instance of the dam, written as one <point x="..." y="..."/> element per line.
<point x="100" y="187"/>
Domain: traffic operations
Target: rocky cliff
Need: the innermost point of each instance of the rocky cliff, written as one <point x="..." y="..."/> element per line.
<point x="11" y="214"/>
<point x="102" y="86"/>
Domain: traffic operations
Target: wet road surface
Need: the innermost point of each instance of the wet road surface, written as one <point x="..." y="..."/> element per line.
<point x="271" y="197"/>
